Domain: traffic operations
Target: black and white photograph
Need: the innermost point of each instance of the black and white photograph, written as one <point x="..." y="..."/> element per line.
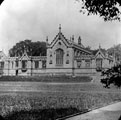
<point x="60" y="60"/>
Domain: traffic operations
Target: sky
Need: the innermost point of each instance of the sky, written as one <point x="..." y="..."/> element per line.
<point x="36" y="19"/>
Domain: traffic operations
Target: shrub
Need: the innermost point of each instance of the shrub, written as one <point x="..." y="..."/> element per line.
<point x="112" y="76"/>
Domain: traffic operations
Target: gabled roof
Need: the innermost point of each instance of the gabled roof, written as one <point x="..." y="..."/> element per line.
<point x="100" y="53"/>
<point x="62" y="37"/>
<point x="25" y="56"/>
<point x="2" y="55"/>
<point x="68" y="43"/>
<point x="103" y="53"/>
<point x="75" y="45"/>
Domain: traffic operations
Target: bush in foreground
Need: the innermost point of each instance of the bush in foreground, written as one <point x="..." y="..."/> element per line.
<point x="112" y="76"/>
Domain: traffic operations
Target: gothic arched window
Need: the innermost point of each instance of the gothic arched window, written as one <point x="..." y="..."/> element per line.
<point x="99" y="62"/>
<point x="59" y="57"/>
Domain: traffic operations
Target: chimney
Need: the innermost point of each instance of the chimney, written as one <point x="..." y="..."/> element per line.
<point x="79" y="40"/>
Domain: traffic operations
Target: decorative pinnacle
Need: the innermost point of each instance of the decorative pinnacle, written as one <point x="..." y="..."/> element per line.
<point x="59" y="27"/>
<point x="79" y="40"/>
<point x="99" y="46"/>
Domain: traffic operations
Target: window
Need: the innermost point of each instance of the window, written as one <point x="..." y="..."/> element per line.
<point x="59" y="43"/>
<point x="50" y="54"/>
<point x="59" y="57"/>
<point x="1" y="64"/>
<point x="79" y="64"/>
<point x="36" y="64"/>
<point x="12" y="64"/>
<point x="87" y="63"/>
<point x="24" y="64"/>
<point x="67" y="61"/>
<point x="99" y="63"/>
<point x="50" y="62"/>
<point x="43" y="64"/>
<point x="67" y="53"/>
<point x="17" y="63"/>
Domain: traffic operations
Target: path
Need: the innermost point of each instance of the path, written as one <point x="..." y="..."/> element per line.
<point x="110" y="112"/>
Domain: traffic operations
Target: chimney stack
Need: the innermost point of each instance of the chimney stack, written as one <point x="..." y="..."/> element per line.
<point x="79" y="40"/>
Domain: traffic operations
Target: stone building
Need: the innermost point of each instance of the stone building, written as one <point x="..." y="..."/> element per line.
<point x="64" y="57"/>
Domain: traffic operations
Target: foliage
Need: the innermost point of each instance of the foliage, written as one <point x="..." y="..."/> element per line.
<point x="115" y="50"/>
<point x="32" y="48"/>
<point x="1" y="1"/>
<point x="108" y="9"/>
<point x="112" y="76"/>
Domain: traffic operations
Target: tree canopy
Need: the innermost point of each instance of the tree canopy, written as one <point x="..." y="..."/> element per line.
<point x="32" y="48"/>
<point x="107" y="9"/>
<point x="1" y="1"/>
<point x="115" y="50"/>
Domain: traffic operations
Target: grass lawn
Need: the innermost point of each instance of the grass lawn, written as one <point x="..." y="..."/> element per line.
<point x="30" y="97"/>
<point x="52" y="102"/>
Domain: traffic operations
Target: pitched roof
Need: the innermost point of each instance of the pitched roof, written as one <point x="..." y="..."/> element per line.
<point x="104" y="54"/>
<point x="63" y="38"/>
<point x="68" y="43"/>
<point x="2" y="55"/>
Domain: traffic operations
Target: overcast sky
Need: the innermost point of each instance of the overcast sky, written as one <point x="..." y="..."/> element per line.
<point x="36" y="19"/>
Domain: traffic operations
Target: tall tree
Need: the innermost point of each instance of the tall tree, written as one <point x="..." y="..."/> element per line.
<point x="108" y="9"/>
<point x="32" y="48"/>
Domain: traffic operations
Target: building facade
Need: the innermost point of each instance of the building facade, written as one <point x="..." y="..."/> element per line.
<point x="64" y="57"/>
